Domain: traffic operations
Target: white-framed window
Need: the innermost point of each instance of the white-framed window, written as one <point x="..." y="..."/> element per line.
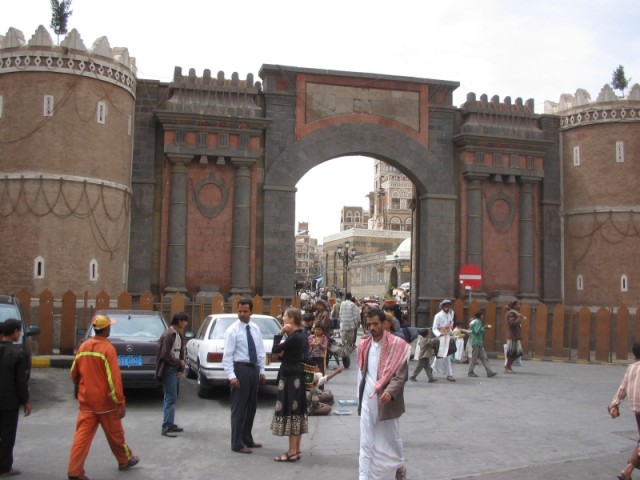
<point x="580" y="282"/>
<point x="38" y="267"/>
<point x="624" y="283"/>
<point x="47" y="109"/>
<point x="93" y="270"/>
<point x="124" y="273"/>
<point x="129" y="126"/>
<point x="101" y="113"/>
<point x="576" y="156"/>
<point x="0" y="106"/>
<point x="620" y="151"/>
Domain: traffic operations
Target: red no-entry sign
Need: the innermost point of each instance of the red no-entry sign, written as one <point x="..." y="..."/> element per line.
<point x="470" y="276"/>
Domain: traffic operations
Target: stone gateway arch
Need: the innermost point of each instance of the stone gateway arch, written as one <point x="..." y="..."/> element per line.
<point x="321" y="115"/>
<point x="194" y="179"/>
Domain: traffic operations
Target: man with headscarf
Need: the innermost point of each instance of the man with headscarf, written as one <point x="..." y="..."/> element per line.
<point x="382" y="372"/>
<point x="442" y="327"/>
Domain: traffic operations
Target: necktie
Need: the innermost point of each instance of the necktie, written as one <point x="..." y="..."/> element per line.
<point x="253" y="356"/>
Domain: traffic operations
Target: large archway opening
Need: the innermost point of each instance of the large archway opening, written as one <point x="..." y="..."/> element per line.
<point x="354" y="218"/>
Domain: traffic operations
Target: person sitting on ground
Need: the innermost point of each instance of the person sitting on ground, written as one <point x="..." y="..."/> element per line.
<point x="318" y="401"/>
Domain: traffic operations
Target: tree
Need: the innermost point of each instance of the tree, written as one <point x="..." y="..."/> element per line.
<point x="60" y="14"/>
<point x="619" y="79"/>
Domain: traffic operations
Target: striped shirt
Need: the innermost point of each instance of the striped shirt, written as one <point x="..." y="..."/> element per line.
<point x="630" y="387"/>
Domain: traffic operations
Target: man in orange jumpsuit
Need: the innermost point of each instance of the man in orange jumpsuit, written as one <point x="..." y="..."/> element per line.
<point x="96" y="373"/>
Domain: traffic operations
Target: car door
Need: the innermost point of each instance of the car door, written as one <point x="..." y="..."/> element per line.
<point x="193" y="346"/>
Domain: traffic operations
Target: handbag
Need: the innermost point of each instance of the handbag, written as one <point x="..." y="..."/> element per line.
<point x="452" y="347"/>
<point x="310" y="369"/>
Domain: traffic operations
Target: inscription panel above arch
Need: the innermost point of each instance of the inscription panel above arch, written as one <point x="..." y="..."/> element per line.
<point x="327" y="100"/>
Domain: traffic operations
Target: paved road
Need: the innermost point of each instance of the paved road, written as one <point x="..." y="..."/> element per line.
<point x="547" y="422"/>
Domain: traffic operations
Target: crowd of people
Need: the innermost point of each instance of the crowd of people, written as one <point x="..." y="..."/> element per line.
<point x="383" y="352"/>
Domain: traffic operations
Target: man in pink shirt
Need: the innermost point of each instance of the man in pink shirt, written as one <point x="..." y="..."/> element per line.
<point x="630" y="388"/>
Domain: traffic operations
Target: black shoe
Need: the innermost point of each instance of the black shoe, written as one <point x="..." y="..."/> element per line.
<point x="175" y="428"/>
<point x="168" y="433"/>
<point x="10" y="473"/>
<point x="79" y="478"/>
<point x="133" y="461"/>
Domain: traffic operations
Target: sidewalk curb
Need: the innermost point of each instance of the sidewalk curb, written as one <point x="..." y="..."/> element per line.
<point x="52" y="361"/>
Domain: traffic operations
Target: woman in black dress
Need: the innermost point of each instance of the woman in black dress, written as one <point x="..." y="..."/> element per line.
<point x="290" y="417"/>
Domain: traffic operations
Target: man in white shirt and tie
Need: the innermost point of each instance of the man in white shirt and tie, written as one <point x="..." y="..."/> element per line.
<point x="243" y="362"/>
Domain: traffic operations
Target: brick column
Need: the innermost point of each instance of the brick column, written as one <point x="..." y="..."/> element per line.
<point x="474" y="220"/>
<point x="177" y="242"/>
<point x="241" y="228"/>
<point x="526" y="270"/>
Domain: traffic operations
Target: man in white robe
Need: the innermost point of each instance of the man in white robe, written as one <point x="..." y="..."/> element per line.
<point x="442" y="327"/>
<point x="382" y="368"/>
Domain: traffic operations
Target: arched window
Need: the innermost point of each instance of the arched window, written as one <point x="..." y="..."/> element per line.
<point x="580" y="282"/>
<point x="38" y="267"/>
<point x="624" y="284"/>
<point x="93" y="270"/>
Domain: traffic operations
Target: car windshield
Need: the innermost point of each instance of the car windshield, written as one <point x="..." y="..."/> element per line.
<point x="268" y="326"/>
<point x="132" y="325"/>
<point x="8" y="311"/>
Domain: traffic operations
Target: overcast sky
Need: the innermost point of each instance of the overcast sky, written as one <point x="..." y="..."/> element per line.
<point x="531" y="49"/>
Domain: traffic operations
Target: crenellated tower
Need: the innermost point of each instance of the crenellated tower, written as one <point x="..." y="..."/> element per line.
<point x="601" y="200"/>
<point x="66" y="145"/>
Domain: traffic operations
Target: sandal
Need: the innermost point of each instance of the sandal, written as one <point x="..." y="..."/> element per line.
<point x="451" y="379"/>
<point x="401" y="473"/>
<point x="285" y="457"/>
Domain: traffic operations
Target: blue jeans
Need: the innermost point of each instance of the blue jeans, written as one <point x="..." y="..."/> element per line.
<point x="170" y="387"/>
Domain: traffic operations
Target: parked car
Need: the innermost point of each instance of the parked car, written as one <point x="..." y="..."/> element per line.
<point x="10" y="308"/>
<point x="204" y="351"/>
<point x="135" y="337"/>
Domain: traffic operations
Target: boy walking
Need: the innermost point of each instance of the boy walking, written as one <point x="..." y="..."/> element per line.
<point x="426" y="344"/>
<point x="477" y="345"/>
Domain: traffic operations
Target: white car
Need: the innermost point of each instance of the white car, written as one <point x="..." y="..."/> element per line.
<point x="204" y="351"/>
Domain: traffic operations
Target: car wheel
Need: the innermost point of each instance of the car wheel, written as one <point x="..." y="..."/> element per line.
<point x="346" y="361"/>
<point x="188" y="371"/>
<point x="204" y="389"/>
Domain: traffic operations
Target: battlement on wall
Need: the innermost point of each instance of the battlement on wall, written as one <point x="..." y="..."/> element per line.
<point x="578" y="109"/>
<point x="207" y="82"/>
<point x="40" y="54"/>
<point x="495" y="107"/>
<point x="495" y="118"/>
<point x="215" y="96"/>
<point x="582" y="98"/>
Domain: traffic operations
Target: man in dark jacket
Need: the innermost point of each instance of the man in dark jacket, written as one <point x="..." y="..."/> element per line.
<point x="169" y="367"/>
<point x="13" y="394"/>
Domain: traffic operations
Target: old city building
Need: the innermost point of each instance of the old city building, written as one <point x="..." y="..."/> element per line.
<point x="110" y="182"/>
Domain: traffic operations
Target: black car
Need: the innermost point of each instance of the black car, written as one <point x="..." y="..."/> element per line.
<point x="10" y="308"/>
<point x="135" y="337"/>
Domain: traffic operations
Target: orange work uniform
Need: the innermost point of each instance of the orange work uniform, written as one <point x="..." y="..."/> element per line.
<point x="96" y="373"/>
